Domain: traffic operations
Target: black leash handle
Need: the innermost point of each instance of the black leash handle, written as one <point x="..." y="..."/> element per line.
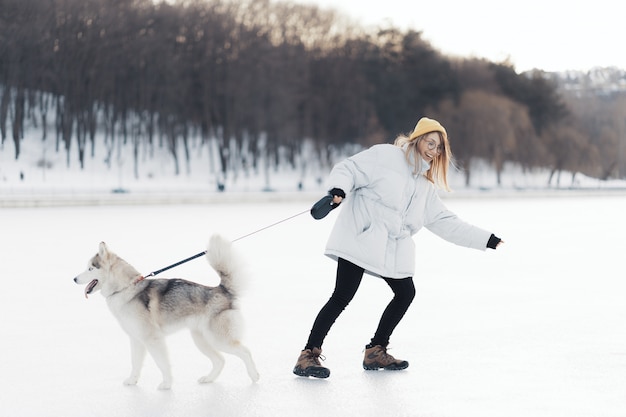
<point x="197" y="255"/>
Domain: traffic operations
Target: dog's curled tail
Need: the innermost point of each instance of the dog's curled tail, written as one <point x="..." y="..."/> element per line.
<point x="226" y="263"/>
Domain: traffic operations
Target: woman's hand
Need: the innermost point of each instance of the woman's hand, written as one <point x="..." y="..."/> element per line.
<point x="327" y="203"/>
<point x="338" y="195"/>
<point x="494" y="241"/>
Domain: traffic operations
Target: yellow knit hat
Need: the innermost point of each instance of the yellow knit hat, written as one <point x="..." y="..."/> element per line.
<point x="426" y="125"/>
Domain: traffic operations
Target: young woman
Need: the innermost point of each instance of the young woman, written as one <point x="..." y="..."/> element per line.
<point x="390" y="194"/>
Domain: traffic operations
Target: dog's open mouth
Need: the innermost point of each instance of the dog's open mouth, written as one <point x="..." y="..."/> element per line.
<point x="89" y="288"/>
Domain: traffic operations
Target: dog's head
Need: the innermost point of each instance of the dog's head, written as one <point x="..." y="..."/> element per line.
<point x="107" y="272"/>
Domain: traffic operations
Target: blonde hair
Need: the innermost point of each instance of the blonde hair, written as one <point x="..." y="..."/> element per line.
<point x="438" y="171"/>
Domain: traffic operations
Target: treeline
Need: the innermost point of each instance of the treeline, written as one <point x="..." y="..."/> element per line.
<point x="253" y="79"/>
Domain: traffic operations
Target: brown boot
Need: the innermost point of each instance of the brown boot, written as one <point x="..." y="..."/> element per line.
<point x="376" y="357"/>
<point x="309" y="364"/>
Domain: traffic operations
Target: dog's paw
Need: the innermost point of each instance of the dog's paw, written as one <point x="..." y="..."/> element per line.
<point x="254" y="376"/>
<point x="207" y="379"/>
<point x="131" y="380"/>
<point x="165" y="385"/>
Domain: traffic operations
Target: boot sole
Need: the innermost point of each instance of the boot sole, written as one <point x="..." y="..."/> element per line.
<point x="376" y="367"/>
<point x="315" y="373"/>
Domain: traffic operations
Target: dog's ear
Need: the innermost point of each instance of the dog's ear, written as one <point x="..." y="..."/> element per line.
<point x="103" y="250"/>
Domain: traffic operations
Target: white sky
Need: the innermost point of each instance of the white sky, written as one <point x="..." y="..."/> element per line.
<point x="546" y="34"/>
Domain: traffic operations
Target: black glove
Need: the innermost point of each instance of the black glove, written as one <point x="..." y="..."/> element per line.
<point x="493" y="241"/>
<point x="326" y="204"/>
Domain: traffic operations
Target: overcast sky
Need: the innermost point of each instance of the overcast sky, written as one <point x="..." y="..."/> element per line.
<point x="546" y="34"/>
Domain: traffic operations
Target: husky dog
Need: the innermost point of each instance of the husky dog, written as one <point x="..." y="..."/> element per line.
<point x="149" y="309"/>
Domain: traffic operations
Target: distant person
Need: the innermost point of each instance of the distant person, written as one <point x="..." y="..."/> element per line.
<point x="390" y="194"/>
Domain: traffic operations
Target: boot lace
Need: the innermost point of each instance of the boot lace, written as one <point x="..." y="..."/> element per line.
<point x="386" y="357"/>
<point x="315" y="357"/>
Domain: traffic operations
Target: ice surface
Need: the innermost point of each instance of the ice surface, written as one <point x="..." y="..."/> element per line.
<point x="536" y="328"/>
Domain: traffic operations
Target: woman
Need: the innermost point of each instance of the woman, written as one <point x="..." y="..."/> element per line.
<point x="390" y="194"/>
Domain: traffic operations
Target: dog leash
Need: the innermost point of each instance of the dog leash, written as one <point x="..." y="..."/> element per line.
<point x="197" y="255"/>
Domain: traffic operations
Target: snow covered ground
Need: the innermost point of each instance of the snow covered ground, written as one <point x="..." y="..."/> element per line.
<point x="534" y="329"/>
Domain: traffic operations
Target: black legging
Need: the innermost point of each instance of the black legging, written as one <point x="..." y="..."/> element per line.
<point x="347" y="283"/>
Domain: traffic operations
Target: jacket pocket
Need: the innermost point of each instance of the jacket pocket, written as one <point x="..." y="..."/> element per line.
<point x="372" y="243"/>
<point x="361" y="215"/>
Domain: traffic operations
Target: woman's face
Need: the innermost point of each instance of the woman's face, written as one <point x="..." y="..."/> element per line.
<point x="430" y="146"/>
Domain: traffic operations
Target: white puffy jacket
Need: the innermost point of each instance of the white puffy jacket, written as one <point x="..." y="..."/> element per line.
<point x="385" y="205"/>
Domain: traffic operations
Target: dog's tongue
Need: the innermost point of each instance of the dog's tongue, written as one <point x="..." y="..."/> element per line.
<point x="89" y="287"/>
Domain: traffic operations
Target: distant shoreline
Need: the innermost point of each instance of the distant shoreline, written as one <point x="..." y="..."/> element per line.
<point x="74" y="199"/>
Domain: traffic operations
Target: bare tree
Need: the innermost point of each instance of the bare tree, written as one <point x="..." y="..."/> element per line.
<point x="569" y="150"/>
<point x="257" y="79"/>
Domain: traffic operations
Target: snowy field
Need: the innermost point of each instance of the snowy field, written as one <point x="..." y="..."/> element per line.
<point x="534" y="329"/>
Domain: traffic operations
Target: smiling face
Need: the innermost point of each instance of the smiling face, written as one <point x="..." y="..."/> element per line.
<point x="430" y="146"/>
